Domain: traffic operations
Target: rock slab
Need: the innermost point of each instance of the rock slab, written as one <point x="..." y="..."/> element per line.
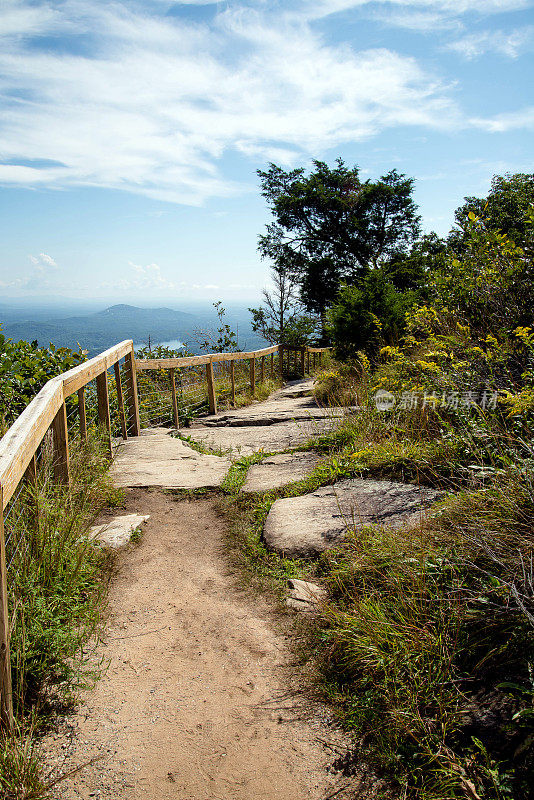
<point x="117" y="532"/>
<point x="243" y="441"/>
<point x="286" y="419"/>
<point x="308" y="525"/>
<point x="304" y="596"/>
<point x="156" y="458"/>
<point x="277" y="408"/>
<point x="279" y="470"/>
<point x="298" y="388"/>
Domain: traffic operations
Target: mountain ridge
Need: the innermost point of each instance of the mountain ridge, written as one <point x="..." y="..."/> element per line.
<point x="98" y="330"/>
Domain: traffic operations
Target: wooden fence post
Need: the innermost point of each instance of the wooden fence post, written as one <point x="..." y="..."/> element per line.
<point x="272" y="366"/>
<point x="308" y="360"/>
<point x="102" y="396"/>
<point x="232" y="379"/>
<point x="81" y="414"/>
<point x="133" y="402"/>
<point x="120" y="400"/>
<point x="263" y="369"/>
<point x="252" y="376"/>
<point x="302" y="362"/>
<point x="61" y="446"/>
<point x="31" y="478"/>
<point x="212" y="399"/>
<point x="6" y="693"/>
<point x="174" y="400"/>
<point x="281" y="360"/>
<point x="314" y="360"/>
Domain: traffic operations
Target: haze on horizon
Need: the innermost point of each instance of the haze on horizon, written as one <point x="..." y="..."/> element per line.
<point x="131" y="132"/>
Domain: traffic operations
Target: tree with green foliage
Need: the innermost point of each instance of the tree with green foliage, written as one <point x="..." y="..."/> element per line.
<point x="367" y="315"/>
<point x="281" y="318"/>
<point x="330" y="226"/>
<point x="410" y="271"/>
<point x="489" y="281"/>
<point x="223" y="339"/>
<point x="506" y="209"/>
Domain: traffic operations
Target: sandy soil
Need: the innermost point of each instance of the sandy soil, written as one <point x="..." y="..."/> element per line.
<point x="195" y="704"/>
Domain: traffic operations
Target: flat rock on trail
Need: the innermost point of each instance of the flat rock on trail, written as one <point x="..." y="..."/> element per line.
<point x="286" y="419"/>
<point x="279" y="470"/>
<point x="156" y="458"/>
<point x="195" y="703"/>
<point x="314" y="522"/>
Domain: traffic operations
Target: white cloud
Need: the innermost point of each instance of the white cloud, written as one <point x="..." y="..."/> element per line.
<point x="509" y="121"/>
<point x="17" y="283"/>
<point x="157" y="101"/>
<point x="455" y="7"/>
<point x="17" y="19"/>
<point x="147" y="278"/>
<point x="42" y="276"/>
<point x="509" y="44"/>
<point x="423" y="16"/>
<point x="420" y="21"/>
<point x="48" y="260"/>
<point x="42" y="260"/>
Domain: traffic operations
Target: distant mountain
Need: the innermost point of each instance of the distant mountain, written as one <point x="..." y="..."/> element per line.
<point x="98" y="331"/>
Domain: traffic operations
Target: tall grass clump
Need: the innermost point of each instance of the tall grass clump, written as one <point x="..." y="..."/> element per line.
<point x="426" y="644"/>
<point x="57" y="597"/>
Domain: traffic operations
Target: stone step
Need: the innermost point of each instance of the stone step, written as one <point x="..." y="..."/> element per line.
<point x="117" y="532"/>
<point x="156" y="458"/>
<point x="269" y="417"/>
<point x="279" y="470"/>
<point x="248" y="439"/>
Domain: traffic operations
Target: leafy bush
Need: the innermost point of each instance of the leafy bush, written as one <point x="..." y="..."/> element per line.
<point x="25" y="368"/>
<point x="367" y="314"/>
<point x="489" y="282"/>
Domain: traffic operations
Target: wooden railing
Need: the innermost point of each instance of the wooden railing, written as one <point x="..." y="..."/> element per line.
<point x="18" y="448"/>
<point x="48" y="412"/>
<point x="301" y="356"/>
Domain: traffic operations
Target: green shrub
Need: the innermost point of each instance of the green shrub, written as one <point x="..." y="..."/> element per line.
<point x="366" y="315"/>
<point x="25" y="368"/>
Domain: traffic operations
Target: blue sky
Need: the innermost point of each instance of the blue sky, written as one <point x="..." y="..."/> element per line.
<point x="131" y="132"/>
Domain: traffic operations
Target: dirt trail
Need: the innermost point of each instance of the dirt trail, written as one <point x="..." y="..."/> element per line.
<point x="195" y="703"/>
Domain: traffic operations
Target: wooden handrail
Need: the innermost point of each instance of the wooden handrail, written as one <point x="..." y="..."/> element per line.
<point x="19" y="444"/>
<point x="79" y="376"/>
<point x="21" y="441"/>
<point x="47" y="411"/>
<point x="196" y="361"/>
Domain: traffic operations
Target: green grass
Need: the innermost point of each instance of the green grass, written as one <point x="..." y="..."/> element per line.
<point x="21" y="774"/>
<point x="425" y="647"/>
<point x="425" y="625"/>
<point x="136" y="535"/>
<point x="200" y="446"/>
<point x="261" y="392"/>
<point x="237" y="473"/>
<point x="57" y="596"/>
